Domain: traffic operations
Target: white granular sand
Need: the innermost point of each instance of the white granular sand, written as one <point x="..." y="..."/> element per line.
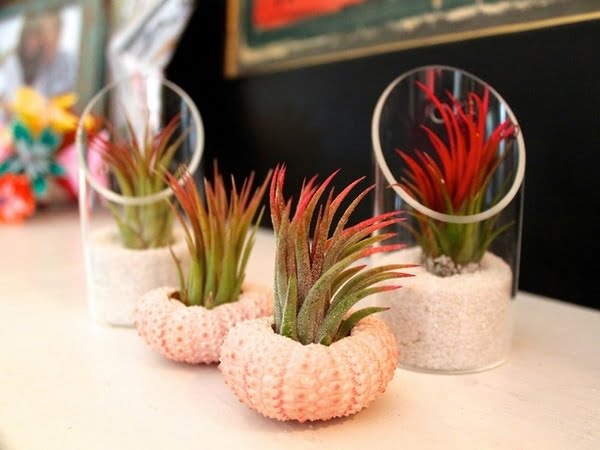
<point x="460" y="323"/>
<point x="118" y="276"/>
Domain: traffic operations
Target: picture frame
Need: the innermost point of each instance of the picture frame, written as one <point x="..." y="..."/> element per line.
<point x="269" y="35"/>
<point x="71" y="31"/>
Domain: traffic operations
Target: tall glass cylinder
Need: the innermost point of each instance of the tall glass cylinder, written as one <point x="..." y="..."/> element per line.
<point x="130" y="237"/>
<point x="449" y="153"/>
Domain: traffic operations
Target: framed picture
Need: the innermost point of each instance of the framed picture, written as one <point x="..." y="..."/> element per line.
<point x="267" y="35"/>
<point x="54" y="46"/>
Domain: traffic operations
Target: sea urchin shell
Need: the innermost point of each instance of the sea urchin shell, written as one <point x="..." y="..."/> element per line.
<point x="194" y="334"/>
<point x="286" y="380"/>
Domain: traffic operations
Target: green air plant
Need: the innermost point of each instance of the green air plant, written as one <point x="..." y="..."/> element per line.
<point x="138" y="169"/>
<point x="220" y="235"/>
<point x="454" y="180"/>
<point x="316" y="283"/>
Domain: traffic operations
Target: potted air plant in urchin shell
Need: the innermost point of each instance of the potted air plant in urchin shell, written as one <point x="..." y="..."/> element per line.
<point x="316" y="359"/>
<point x="461" y="162"/>
<point x="128" y="228"/>
<point x="189" y="323"/>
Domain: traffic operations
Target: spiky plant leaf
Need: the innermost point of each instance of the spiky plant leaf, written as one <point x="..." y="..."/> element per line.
<point x="316" y="281"/>
<point x="347" y="324"/>
<point x="219" y="232"/>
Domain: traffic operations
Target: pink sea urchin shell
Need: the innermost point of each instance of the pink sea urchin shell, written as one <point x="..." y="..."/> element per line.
<point x="286" y="380"/>
<point x="194" y="334"/>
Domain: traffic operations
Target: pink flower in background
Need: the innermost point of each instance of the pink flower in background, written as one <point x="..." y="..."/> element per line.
<point x="68" y="159"/>
<point x="5" y="142"/>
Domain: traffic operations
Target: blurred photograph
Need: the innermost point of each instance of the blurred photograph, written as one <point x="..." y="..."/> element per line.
<point x="40" y="50"/>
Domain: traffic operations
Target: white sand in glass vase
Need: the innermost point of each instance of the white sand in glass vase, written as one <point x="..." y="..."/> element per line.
<point x="456" y="323"/>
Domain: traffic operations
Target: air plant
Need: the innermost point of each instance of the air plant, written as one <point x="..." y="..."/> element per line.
<point x="316" y="283"/>
<point x="189" y="324"/>
<point x="138" y="166"/>
<point x="220" y="235"/>
<point x="454" y="179"/>
<point x="317" y="359"/>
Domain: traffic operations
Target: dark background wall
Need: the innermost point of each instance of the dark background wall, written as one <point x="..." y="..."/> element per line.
<point x="317" y="119"/>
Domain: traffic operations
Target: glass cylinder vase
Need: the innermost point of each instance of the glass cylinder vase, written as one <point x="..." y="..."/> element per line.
<point x="449" y="154"/>
<point x="130" y="235"/>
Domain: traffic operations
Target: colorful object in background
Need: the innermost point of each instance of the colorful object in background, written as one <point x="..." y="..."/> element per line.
<point x="38" y="113"/>
<point x="38" y="145"/>
<point x="5" y="142"/>
<point x="16" y="198"/>
<point x="67" y="158"/>
<point x="271" y="14"/>
<point x="34" y="156"/>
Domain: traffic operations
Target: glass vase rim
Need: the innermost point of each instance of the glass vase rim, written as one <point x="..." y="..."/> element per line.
<point x="111" y="195"/>
<point x="414" y="203"/>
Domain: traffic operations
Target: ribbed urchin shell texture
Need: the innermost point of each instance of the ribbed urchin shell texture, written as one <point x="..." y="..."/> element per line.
<point x="286" y="380"/>
<point x="194" y="334"/>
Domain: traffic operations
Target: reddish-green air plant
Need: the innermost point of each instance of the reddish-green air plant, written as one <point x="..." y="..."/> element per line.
<point x="316" y="283"/>
<point x="139" y="170"/>
<point x="455" y="182"/>
<point x="220" y="235"/>
<point x="455" y="179"/>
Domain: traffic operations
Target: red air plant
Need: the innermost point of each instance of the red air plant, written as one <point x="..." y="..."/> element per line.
<point x="454" y="178"/>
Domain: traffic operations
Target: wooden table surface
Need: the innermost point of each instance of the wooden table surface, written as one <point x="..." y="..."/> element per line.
<point x="66" y="383"/>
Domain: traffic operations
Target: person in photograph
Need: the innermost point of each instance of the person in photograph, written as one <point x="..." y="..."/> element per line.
<point x="38" y="61"/>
